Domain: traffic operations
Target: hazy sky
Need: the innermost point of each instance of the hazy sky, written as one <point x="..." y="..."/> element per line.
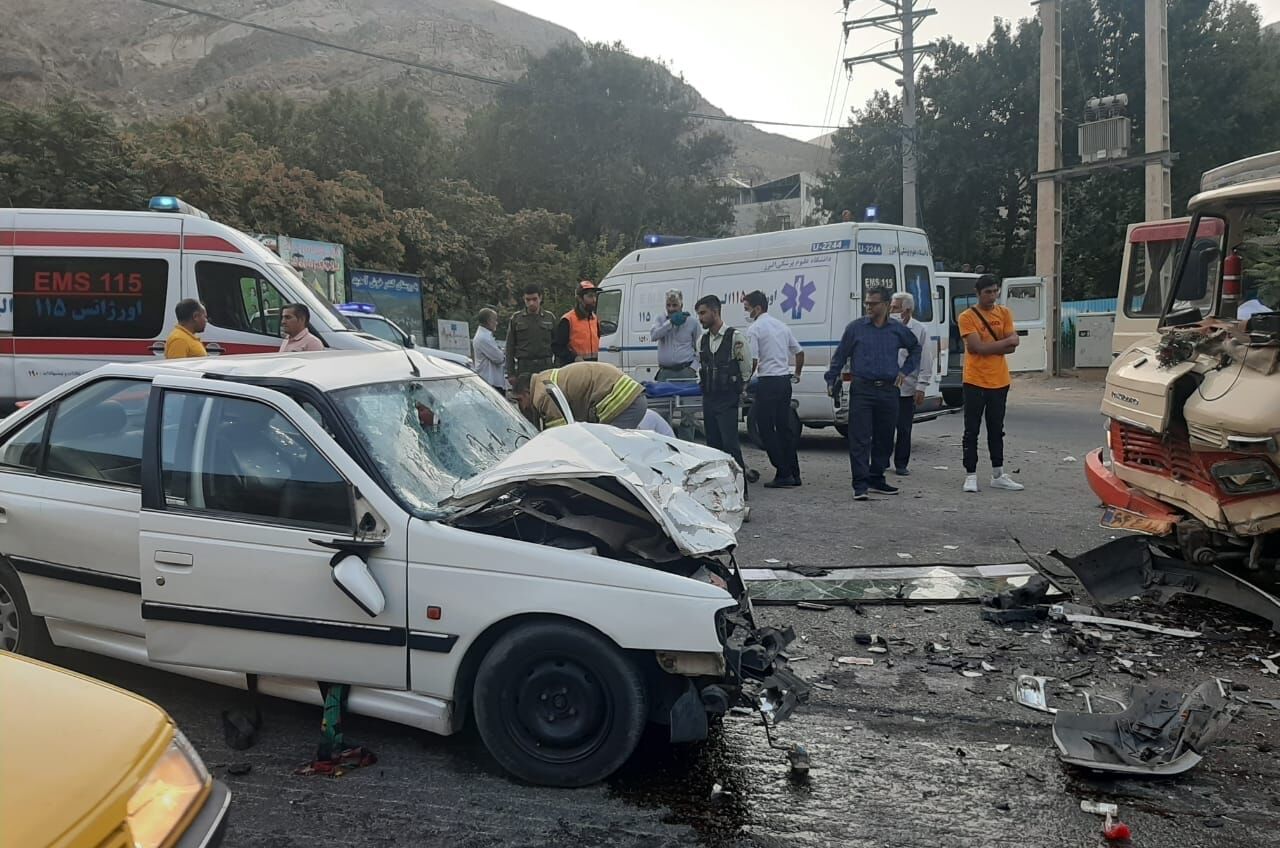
<point x="774" y="59"/>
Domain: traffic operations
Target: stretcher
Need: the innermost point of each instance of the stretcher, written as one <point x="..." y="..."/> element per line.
<point x="673" y="398"/>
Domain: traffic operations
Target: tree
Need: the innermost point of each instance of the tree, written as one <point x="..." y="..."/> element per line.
<point x="65" y="156"/>
<point x="604" y="136"/>
<point x="390" y="138"/>
<point x="977" y="132"/>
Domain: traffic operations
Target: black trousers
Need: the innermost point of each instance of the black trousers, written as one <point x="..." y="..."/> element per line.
<point x="773" y="419"/>
<point x="720" y="419"/>
<point x="873" y="413"/>
<point x="902" y="436"/>
<point x="980" y="403"/>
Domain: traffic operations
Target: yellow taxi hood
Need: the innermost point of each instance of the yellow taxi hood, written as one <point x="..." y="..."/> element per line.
<point x="71" y="750"/>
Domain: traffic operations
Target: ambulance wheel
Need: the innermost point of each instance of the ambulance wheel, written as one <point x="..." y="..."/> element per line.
<point x="753" y="428"/>
<point x="953" y="397"/>
<point x="558" y="705"/>
<point x="843" y="430"/>
<point x="752" y="475"/>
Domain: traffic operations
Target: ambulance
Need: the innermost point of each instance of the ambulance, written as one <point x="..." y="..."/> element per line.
<point x="80" y="288"/>
<point x="815" y="279"/>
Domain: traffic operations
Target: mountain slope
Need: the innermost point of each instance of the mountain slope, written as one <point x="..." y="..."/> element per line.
<point x="139" y="60"/>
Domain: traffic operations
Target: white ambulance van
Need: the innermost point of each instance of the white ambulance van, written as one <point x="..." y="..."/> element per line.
<point x="82" y="288"/>
<point x="814" y="278"/>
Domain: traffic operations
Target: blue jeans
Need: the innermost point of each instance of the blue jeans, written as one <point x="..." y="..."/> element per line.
<point x="873" y="416"/>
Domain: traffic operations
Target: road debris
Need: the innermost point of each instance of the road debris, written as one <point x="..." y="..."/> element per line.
<point x="1028" y="690"/>
<point x="855" y="661"/>
<point x="1056" y="612"/>
<point x="1269" y="667"/>
<point x="1161" y="732"/>
<point x="810" y="605"/>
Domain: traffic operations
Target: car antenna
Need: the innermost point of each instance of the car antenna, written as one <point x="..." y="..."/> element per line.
<point x="413" y="368"/>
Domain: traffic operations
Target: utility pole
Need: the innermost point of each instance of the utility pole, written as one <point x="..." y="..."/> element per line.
<point x="902" y="22"/>
<point x="1155" y="129"/>
<point x="1049" y="189"/>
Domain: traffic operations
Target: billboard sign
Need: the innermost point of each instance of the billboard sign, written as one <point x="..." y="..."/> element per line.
<point x="321" y="264"/>
<point x="397" y="296"/>
<point x="454" y="336"/>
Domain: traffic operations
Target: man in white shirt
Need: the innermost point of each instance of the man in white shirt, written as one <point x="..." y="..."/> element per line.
<point x="490" y="360"/>
<point x="772" y="345"/>
<point x="654" y="422"/>
<point x="911" y="393"/>
<point x="295" y="324"/>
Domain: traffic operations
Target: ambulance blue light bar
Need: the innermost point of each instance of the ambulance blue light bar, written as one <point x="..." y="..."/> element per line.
<point x="873" y="212"/>
<point x="365" y="308"/>
<point x="169" y="203"/>
<point x="657" y="240"/>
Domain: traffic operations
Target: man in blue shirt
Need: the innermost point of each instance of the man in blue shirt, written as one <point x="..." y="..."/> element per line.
<point x="871" y="345"/>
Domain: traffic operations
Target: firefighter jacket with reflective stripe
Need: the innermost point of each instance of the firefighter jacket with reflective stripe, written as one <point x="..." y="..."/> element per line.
<point x="597" y="392"/>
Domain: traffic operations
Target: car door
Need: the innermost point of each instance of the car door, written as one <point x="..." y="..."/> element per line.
<point x="70" y="490"/>
<point x="609" y="313"/>
<point x="1025" y="297"/>
<point x="245" y="495"/>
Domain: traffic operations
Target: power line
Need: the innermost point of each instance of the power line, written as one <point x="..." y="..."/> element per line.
<point x="440" y="69"/>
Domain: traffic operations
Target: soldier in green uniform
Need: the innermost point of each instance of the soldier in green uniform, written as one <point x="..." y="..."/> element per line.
<point x="529" y="336"/>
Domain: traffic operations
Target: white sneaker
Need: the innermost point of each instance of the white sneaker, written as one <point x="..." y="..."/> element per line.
<point x="971" y="483"/>
<point x="1004" y="481"/>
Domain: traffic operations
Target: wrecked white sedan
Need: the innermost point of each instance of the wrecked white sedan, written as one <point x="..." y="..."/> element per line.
<point x="387" y="521"/>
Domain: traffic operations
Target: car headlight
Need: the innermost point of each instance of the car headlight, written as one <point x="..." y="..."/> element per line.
<point x="167" y="795"/>
<point x="1246" y="476"/>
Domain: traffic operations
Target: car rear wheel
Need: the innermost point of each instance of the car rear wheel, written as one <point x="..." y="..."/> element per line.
<point x="20" y="631"/>
<point x="558" y="705"/>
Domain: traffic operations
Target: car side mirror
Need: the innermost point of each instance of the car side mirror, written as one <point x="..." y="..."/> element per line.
<point x="608" y="328"/>
<point x="351" y="574"/>
<point x="411" y="341"/>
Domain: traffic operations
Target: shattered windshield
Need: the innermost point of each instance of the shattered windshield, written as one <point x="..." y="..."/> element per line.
<point x="425" y="436"/>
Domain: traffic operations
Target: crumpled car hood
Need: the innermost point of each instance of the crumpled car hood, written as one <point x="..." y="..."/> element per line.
<point x="693" y="492"/>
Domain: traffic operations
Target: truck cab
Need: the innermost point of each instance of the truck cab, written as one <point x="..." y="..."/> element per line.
<point x="1193" y="408"/>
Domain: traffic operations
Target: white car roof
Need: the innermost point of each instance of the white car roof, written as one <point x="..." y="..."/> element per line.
<point x="326" y="370"/>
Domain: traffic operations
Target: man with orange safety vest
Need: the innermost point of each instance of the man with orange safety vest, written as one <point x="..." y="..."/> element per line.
<point x="577" y="336"/>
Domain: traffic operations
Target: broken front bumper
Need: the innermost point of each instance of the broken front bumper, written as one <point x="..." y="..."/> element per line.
<point x="1126" y="507"/>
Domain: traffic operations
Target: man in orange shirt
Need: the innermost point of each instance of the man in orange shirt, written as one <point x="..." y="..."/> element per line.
<point x="989" y="334"/>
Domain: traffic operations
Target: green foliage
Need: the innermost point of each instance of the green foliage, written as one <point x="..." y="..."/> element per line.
<point x="64" y="156"/>
<point x="600" y="134"/>
<point x="976" y="138"/>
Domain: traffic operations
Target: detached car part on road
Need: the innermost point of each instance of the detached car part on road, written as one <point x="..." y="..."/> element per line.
<point x="388" y="521"/>
<point x="88" y="765"/>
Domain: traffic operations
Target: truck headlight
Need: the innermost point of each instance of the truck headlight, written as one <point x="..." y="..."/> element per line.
<point x="1246" y="476"/>
<point x="166" y="796"/>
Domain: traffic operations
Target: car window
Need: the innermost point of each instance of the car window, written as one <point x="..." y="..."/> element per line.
<point x="382" y="329"/>
<point x="97" y="433"/>
<point x="22" y="449"/>
<point x="879" y="275"/>
<point x="94" y="297"/>
<point x="244" y="459"/>
<point x="237" y="297"/>
<point x="917" y="280"/>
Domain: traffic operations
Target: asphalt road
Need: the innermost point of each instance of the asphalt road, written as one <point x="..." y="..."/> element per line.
<point x="904" y="753"/>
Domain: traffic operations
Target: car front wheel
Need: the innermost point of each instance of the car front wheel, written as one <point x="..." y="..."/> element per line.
<point x="558" y="705"/>
<point x="20" y="631"/>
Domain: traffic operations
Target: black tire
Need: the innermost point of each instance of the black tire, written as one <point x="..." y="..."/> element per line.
<point x="843" y="430"/>
<point x="20" y="631"/>
<point x="558" y="705"/>
<point x="953" y="397"/>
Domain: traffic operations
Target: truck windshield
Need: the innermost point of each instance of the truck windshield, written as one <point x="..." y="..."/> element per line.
<point x="425" y="436"/>
<point x="1199" y="269"/>
<point x="1258" y="244"/>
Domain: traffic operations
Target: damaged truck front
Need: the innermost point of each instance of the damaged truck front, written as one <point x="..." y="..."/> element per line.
<point x="625" y="499"/>
<point x="1192" y="455"/>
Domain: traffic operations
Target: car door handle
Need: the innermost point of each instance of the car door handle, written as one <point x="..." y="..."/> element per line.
<point x="614" y="348"/>
<point x="157" y="348"/>
<point x="1023" y="332"/>
<point x="213" y="349"/>
<point x="175" y="558"/>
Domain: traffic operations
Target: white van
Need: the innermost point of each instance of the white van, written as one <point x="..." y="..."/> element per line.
<point x="79" y="289"/>
<point x="814" y="278"/>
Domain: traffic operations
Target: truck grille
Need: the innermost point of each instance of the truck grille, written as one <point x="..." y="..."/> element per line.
<point x="1169" y="454"/>
<point x="1207" y="435"/>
